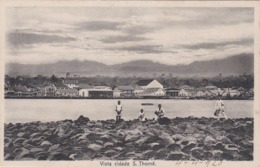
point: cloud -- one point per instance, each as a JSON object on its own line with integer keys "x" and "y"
{"x": 122, "y": 38}
{"x": 17, "y": 39}
{"x": 98, "y": 25}
{"x": 144, "y": 49}
{"x": 208, "y": 45}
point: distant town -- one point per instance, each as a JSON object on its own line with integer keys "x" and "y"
{"x": 166, "y": 87}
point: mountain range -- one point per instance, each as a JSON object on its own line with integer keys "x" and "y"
{"x": 233, "y": 65}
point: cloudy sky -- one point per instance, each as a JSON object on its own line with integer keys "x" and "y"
{"x": 114, "y": 35}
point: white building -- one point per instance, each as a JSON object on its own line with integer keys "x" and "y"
{"x": 154, "y": 92}
{"x": 71, "y": 83}
{"x": 84, "y": 92}
{"x": 149, "y": 83}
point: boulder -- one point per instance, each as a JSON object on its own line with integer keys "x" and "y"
{"x": 110, "y": 153}
{"x": 108, "y": 144}
{"x": 94, "y": 147}
{"x": 161, "y": 154}
{"x": 174, "y": 147}
{"x": 82, "y": 120}
{"x": 46, "y": 142}
{"x": 209, "y": 141}
{"x": 164, "y": 121}
{"x": 36, "y": 149}
{"x": 155, "y": 146}
{"x": 148, "y": 154}
{"x": 20, "y": 134}
{"x": 54, "y": 147}
{"x": 187, "y": 149}
{"x": 175, "y": 156}
{"x": 198, "y": 153}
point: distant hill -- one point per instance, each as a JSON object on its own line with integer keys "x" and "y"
{"x": 237, "y": 64}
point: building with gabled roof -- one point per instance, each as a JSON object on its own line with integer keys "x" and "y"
{"x": 71, "y": 83}
{"x": 153, "y": 92}
{"x": 67, "y": 92}
{"x": 123, "y": 91}
{"x": 149, "y": 83}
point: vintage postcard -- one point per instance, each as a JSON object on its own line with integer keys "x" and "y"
{"x": 129, "y": 83}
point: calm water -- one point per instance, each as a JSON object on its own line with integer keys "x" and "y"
{"x": 24, "y": 110}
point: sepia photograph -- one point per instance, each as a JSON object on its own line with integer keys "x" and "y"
{"x": 127, "y": 83}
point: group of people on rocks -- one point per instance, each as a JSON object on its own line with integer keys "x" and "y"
{"x": 219, "y": 110}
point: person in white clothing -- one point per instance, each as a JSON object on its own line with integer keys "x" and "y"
{"x": 219, "y": 109}
{"x": 160, "y": 113}
{"x": 141, "y": 115}
{"x": 119, "y": 109}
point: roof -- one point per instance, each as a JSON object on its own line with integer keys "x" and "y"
{"x": 125, "y": 87}
{"x": 172, "y": 89}
{"x": 85, "y": 86}
{"x": 137, "y": 87}
{"x": 144, "y": 82}
{"x": 59, "y": 85}
{"x": 150, "y": 90}
{"x": 186, "y": 87}
{"x": 102, "y": 87}
{"x": 211, "y": 87}
{"x": 67, "y": 90}
{"x": 20, "y": 89}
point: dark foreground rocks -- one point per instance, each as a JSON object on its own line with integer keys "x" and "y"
{"x": 83, "y": 139}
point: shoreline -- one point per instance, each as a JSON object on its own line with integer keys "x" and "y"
{"x": 103, "y": 98}
{"x": 188, "y": 138}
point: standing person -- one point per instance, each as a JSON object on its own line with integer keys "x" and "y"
{"x": 141, "y": 115}
{"x": 219, "y": 109}
{"x": 119, "y": 109}
{"x": 160, "y": 113}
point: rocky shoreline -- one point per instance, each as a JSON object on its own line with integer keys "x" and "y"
{"x": 183, "y": 139}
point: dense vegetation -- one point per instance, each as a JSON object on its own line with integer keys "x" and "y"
{"x": 245, "y": 81}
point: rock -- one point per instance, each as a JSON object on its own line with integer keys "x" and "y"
{"x": 72, "y": 156}
{"x": 155, "y": 146}
{"x": 34, "y": 150}
{"x": 209, "y": 140}
{"x": 119, "y": 148}
{"x": 105, "y": 137}
{"x": 132, "y": 137}
{"x": 35, "y": 134}
{"x": 161, "y": 154}
{"x": 187, "y": 149}
{"x": 108, "y": 144}
{"x": 99, "y": 142}
{"x": 110, "y": 153}
{"x": 227, "y": 156}
{"x": 148, "y": 154}
{"x": 18, "y": 140}
{"x": 20, "y": 134}
{"x": 198, "y": 153}
{"x": 223, "y": 140}
{"x": 54, "y": 147}
{"x": 95, "y": 147}
{"x": 231, "y": 147}
{"x": 46, "y": 142}
{"x": 175, "y": 156}
{"x": 184, "y": 142}
{"x": 41, "y": 155}
{"x": 99, "y": 124}
{"x": 174, "y": 147}
{"x": 82, "y": 120}
{"x": 23, "y": 151}
{"x": 164, "y": 121}
{"x": 219, "y": 146}
{"x": 59, "y": 156}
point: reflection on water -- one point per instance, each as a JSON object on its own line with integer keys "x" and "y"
{"x": 24, "y": 110}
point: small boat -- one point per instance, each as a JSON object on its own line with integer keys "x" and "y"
{"x": 146, "y": 104}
